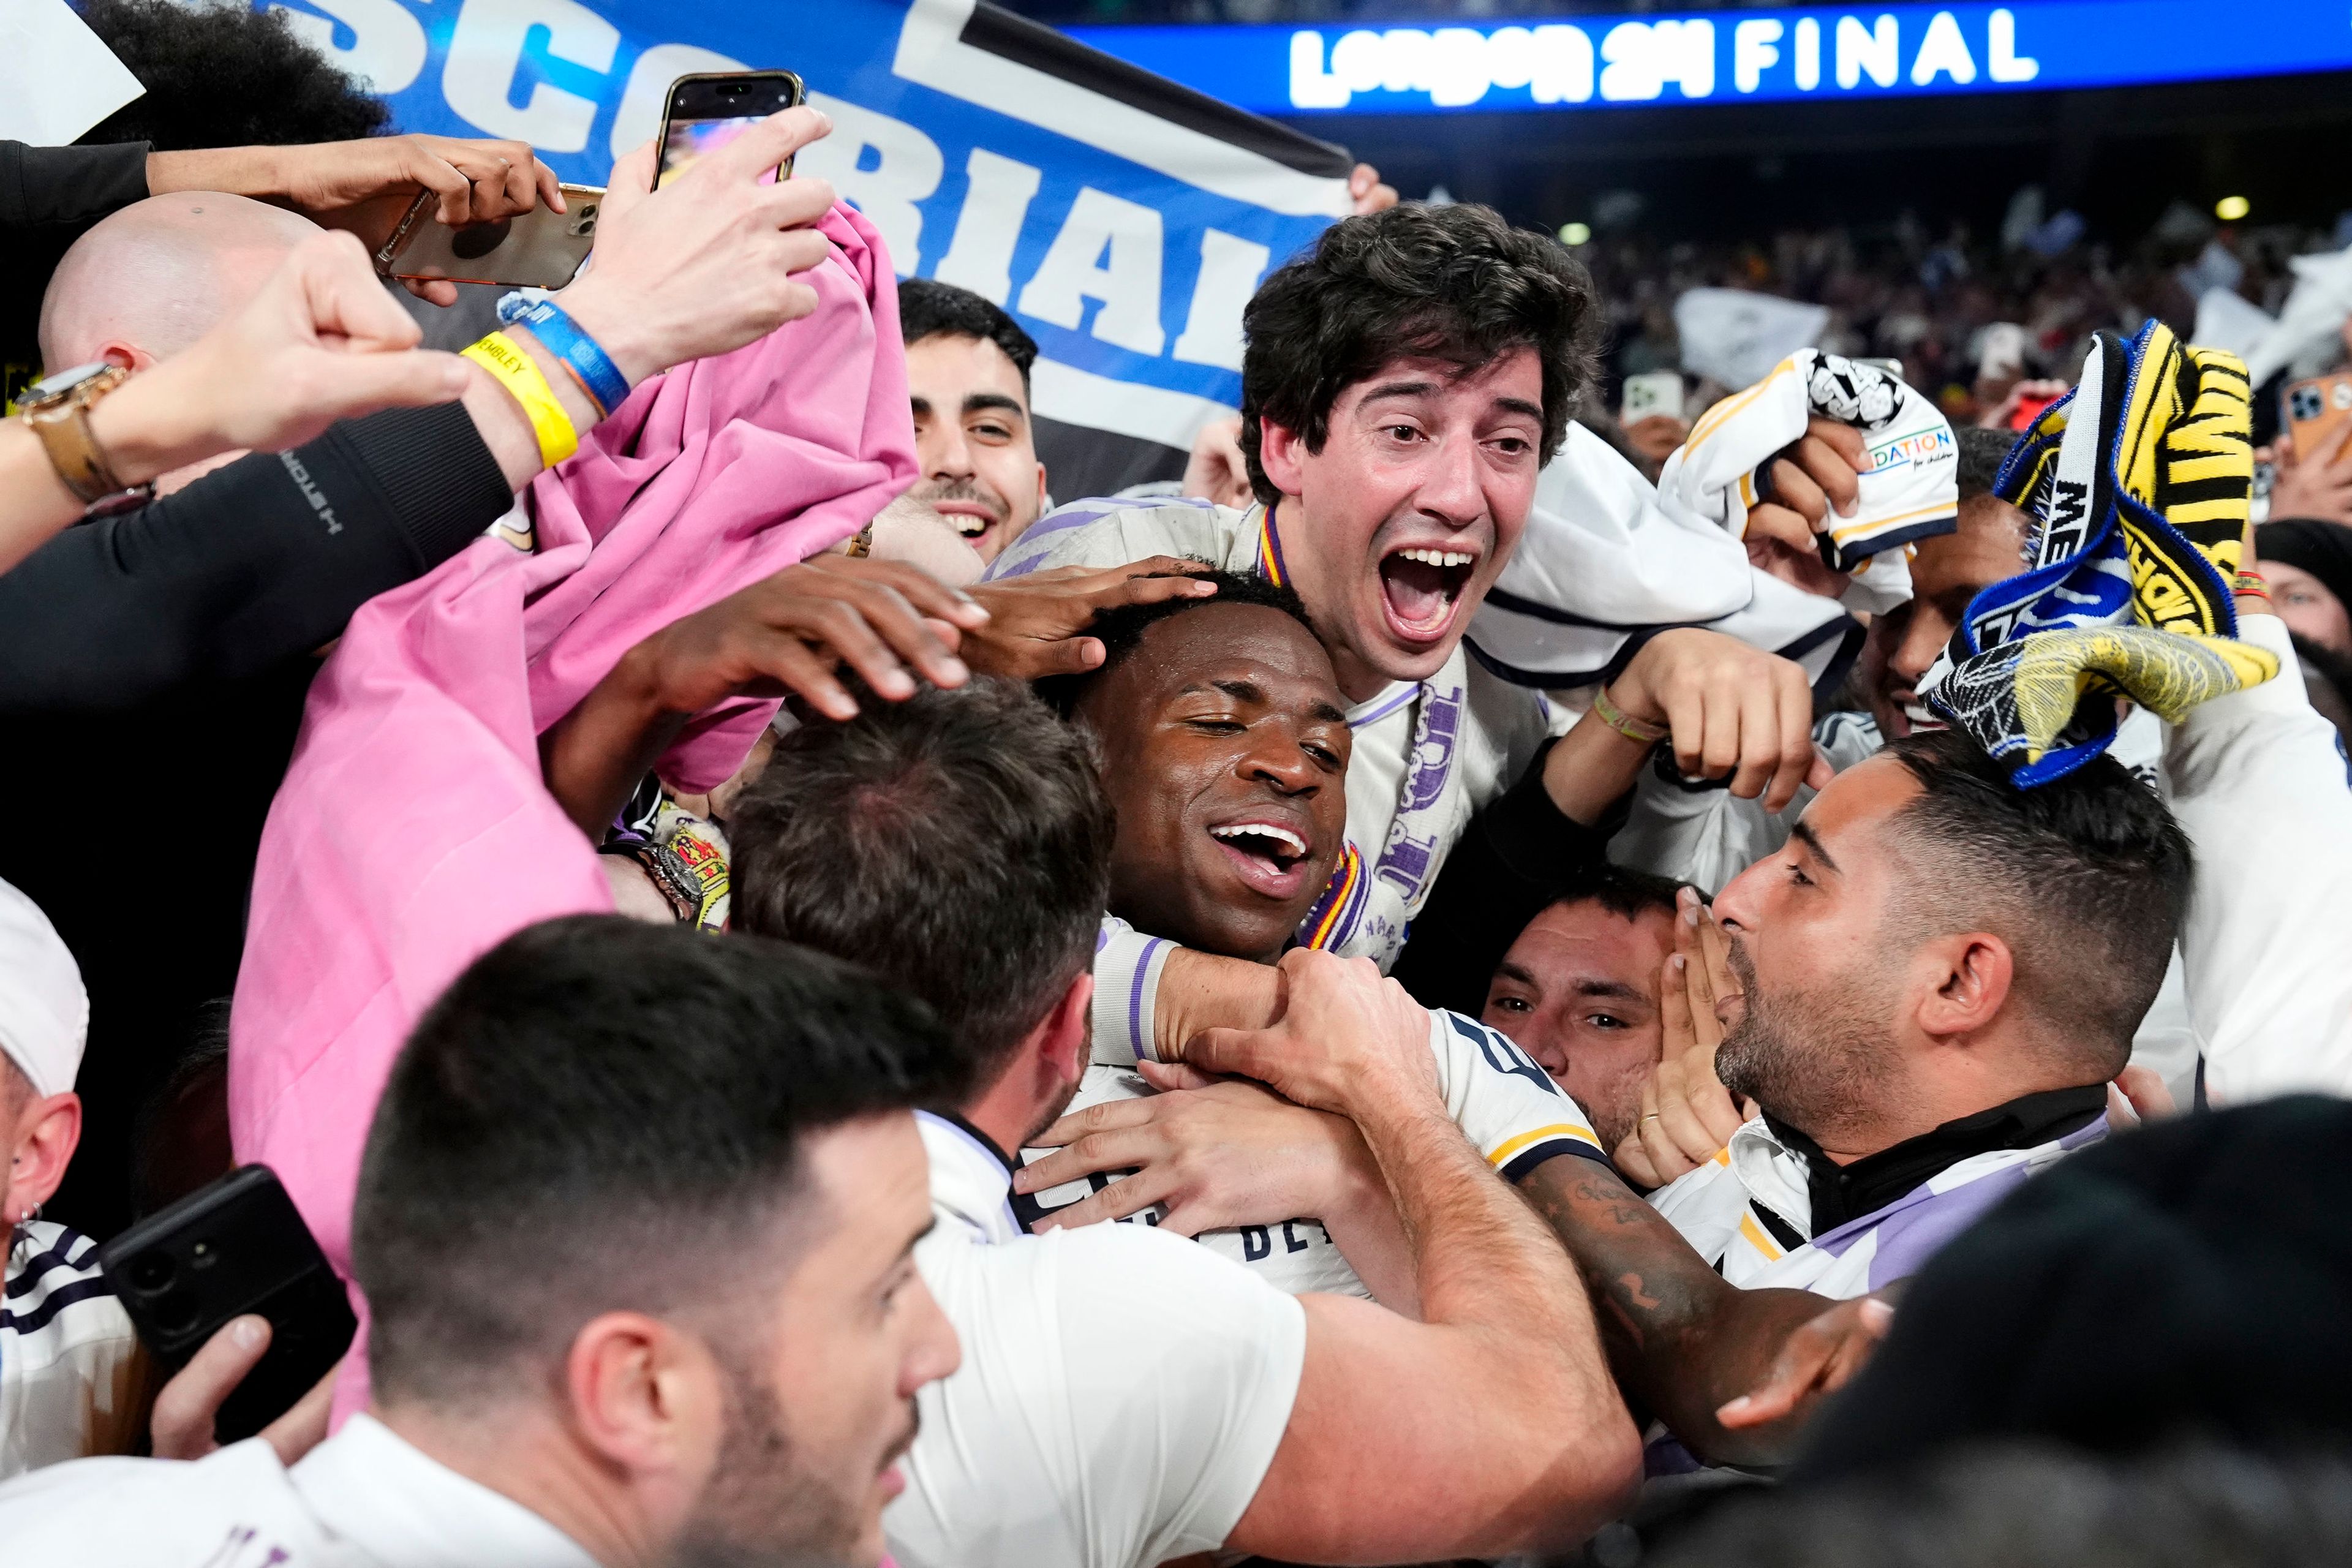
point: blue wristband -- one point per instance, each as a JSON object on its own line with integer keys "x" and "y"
{"x": 599, "y": 376}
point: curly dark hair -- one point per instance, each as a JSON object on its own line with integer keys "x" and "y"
{"x": 225, "y": 75}
{"x": 1121, "y": 628}
{"x": 1453, "y": 283}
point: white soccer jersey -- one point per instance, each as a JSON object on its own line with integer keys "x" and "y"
{"x": 1121, "y": 1395}
{"x": 69, "y": 1361}
{"x": 1507, "y": 1107}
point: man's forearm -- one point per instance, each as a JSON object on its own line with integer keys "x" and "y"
{"x": 1207, "y": 991}
{"x": 1480, "y": 1258}
{"x": 1679, "y": 1338}
{"x": 594, "y": 756}
{"x": 1589, "y": 769}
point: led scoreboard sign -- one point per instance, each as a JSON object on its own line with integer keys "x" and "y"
{"x": 1736, "y": 56}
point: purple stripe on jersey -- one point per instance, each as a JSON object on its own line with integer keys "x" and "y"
{"x": 1909, "y": 1239}
{"x": 1102, "y": 939}
{"x": 1135, "y": 1000}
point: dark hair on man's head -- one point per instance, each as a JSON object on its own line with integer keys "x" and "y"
{"x": 1121, "y": 628}
{"x": 2085, "y": 876}
{"x": 1621, "y": 890}
{"x": 929, "y": 309}
{"x": 225, "y": 75}
{"x": 602, "y": 1115}
{"x": 1455, "y": 284}
{"x": 1982, "y": 452}
{"x": 958, "y": 844}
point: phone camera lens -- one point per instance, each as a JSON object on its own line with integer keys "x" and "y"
{"x": 477, "y": 240}
{"x": 151, "y": 1272}
{"x": 204, "y": 1255}
{"x": 175, "y": 1312}
{"x": 733, "y": 90}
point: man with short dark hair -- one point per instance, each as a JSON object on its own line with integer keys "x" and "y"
{"x": 1129, "y": 1396}
{"x": 636, "y": 1225}
{"x": 1578, "y": 991}
{"x": 968, "y": 375}
{"x": 1938, "y": 975}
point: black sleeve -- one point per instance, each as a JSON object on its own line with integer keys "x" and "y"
{"x": 264, "y": 557}
{"x": 48, "y": 196}
{"x": 1519, "y": 854}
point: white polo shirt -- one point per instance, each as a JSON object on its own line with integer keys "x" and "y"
{"x": 70, "y": 1366}
{"x": 1121, "y": 1395}
{"x": 363, "y": 1499}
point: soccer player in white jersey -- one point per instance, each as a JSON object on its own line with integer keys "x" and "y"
{"x": 636, "y": 1225}
{"x": 1127, "y": 1395}
{"x": 1402, "y": 385}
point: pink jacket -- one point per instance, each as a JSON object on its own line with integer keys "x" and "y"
{"x": 413, "y": 833}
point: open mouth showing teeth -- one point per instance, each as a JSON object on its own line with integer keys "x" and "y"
{"x": 1422, "y": 586}
{"x": 1277, "y": 847}
{"x": 1922, "y": 717}
{"x": 971, "y": 527}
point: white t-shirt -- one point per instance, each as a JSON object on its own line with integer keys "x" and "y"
{"x": 70, "y": 1366}
{"x": 1508, "y": 1108}
{"x": 1121, "y": 1395}
{"x": 363, "y": 1499}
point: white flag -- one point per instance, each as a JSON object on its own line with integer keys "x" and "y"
{"x": 1738, "y": 337}
{"x": 57, "y": 78}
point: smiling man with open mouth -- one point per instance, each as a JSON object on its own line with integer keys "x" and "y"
{"x": 1403, "y": 384}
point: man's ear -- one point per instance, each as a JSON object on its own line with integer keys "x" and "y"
{"x": 1282, "y": 455}
{"x": 126, "y": 353}
{"x": 644, "y": 1395}
{"x": 1069, "y": 1029}
{"x": 1044, "y": 494}
{"x": 40, "y": 1146}
{"x": 1971, "y": 973}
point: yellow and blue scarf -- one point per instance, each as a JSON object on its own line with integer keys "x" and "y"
{"x": 2136, "y": 485}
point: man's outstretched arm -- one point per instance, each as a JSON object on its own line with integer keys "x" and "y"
{"x": 1492, "y": 1426}
{"x": 1685, "y": 1343}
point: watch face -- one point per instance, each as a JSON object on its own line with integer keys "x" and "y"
{"x": 64, "y": 381}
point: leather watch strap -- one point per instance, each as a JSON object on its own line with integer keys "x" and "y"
{"x": 63, "y": 425}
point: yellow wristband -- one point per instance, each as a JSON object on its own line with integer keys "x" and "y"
{"x": 1639, "y": 730}
{"x": 520, "y": 374}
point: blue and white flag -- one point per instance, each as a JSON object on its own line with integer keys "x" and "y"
{"x": 1124, "y": 220}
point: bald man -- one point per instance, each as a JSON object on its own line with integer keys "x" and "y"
{"x": 148, "y": 281}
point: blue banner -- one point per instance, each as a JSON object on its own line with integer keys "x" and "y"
{"x": 1123, "y": 220}
{"x": 1736, "y": 56}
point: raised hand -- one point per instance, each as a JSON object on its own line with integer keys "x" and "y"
{"x": 1729, "y": 709}
{"x": 1036, "y": 624}
{"x": 1817, "y": 1359}
{"x": 710, "y": 261}
{"x": 1687, "y": 1116}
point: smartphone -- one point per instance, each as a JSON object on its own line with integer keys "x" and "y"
{"x": 540, "y": 249}
{"x": 236, "y": 1247}
{"x": 2316, "y": 411}
{"x": 1650, "y": 394}
{"x": 706, "y": 113}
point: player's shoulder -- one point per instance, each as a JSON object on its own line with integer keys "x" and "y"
{"x": 1110, "y": 530}
{"x": 158, "y": 1513}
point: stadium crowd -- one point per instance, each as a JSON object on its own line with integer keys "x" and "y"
{"x": 1455, "y": 990}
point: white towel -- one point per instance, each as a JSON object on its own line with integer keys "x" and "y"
{"x": 1911, "y": 492}
{"x": 1602, "y": 564}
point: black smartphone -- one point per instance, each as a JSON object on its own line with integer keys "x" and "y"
{"x": 705, "y": 112}
{"x": 236, "y": 1247}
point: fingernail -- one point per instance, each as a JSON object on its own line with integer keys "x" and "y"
{"x": 1678, "y": 963}
{"x": 248, "y": 1331}
{"x": 823, "y": 119}
{"x": 1880, "y": 1313}
{"x": 899, "y": 683}
{"x": 1734, "y": 1406}
{"x": 953, "y": 668}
